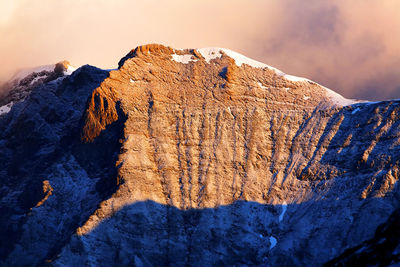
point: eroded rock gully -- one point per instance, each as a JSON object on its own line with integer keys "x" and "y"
{"x": 213, "y": 160}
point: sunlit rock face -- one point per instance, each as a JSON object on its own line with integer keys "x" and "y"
{"x": 198, "y": 157}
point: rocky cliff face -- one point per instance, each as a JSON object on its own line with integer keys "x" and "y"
{"x": 198, "y": 157}
{"x": 381, "y": 250}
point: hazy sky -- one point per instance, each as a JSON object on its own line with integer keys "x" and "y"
{"x": 350, "y": 46}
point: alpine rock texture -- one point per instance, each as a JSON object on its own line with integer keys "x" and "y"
{"x": 198, "y": 157}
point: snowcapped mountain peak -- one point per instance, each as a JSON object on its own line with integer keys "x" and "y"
{"x": 216, "y": 55}
{"x": 64, "y": 66}
{"x": 23, "y": 81}
{"x": 19, "y": 75}
{"x": 211, "y": 53}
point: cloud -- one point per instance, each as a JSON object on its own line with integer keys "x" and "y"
{"x": 349, "y": 46}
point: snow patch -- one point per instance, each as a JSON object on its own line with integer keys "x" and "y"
{"x": 295, "y": 78}
{"x": 185, "y": 59}
{"x": 372, "y": 102}
{"x": 337, "y": 98}
{"x": 70, "y": 70}
{"x": 240, "y": 59}
{"x": 354, "y": 111}
{"x": 131, "y": 81}
{"x": 284, "y": 207}
{"x": 261, "y": 85}
{"x": 210, "y": 53}
{"x": 6, "y": 108}
{"x": 273, "y": 242}
{"x": 306, "y": 97}
{"x": 37, "y": 79}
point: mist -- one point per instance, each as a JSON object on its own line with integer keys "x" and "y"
{"x": 352, "y": 47}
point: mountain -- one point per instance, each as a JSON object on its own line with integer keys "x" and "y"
{"x": 195, "y": 157}
{"x": 22, "y": 82}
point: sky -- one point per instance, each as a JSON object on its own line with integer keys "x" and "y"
{"x": 352, "y": 47}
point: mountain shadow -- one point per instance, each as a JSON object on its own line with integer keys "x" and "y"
{"x": 243, "y": 233}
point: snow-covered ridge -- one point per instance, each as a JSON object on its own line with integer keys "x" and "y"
{"x": 69, "y": 69}
{"x": 211, "y": 53}
{"x": 25, "y": 72}
{"x": 339, "y": 99}
{"x": 22, "y": 83}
